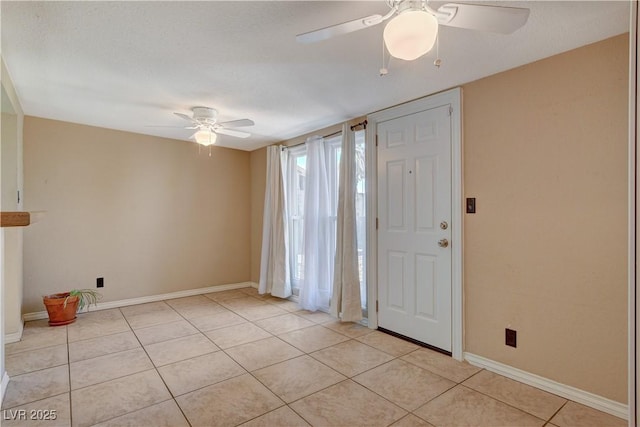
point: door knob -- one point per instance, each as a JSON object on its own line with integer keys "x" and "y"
{"x": 443, "y": 243}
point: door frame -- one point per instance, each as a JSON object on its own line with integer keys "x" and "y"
{"x": 453, "y": 98}
{"x": 633, "y": 221}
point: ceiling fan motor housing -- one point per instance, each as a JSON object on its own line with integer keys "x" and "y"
{"x": 205, "y": 115}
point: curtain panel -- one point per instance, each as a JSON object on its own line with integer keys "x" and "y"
{"x": 316, "y": 287}
{"x": 274, "y": 265}
{"x": 345, "y": 300}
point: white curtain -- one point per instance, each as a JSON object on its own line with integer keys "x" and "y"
{"x": 345, "y": 301}
{"x": 274, "y": 268}
{"x": 316, "y": 284}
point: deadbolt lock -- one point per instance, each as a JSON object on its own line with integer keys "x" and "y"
{"x": 444, "y": 225}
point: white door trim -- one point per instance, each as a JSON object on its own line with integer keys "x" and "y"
{"x": 453, "y": 98}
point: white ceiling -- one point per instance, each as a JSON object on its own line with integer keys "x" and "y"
{"x": 127, "y": 65}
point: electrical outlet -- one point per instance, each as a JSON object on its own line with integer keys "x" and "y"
{"x": 510, "y": 337}
{"x": 100, "y": 282}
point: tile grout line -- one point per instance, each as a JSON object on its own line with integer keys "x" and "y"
{"x": 39, "y": 370}
{"x": 264, "y": 385}
{"x": 347, "y": 378}
{"x": 157, "y": 372}
{"x": 505, "y": 403}
{"x": 300, "y": 415}
{"x": 32, "y": 349}
{"x": 251, "y": 373}
{"x": 559, "y": 409}
{"x": 40, "y": 400}
{"x": 146, "y": 370}
{"x": 509, "y": 404}
{"x": 245, "y": 369}
{"x": 352, "y": 376}
{"x": 235, "y": 361}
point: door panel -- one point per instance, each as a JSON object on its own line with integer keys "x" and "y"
{"x": 397, "y": 206}
{"x": 414, "y": 198}
{"x": 397, "y": 267}
{"x": 426, "y": 181}
{"x": 426, "y": 289}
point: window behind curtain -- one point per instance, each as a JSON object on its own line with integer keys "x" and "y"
{"x": 296, "y": 173}
{"x": 361, "y": 215}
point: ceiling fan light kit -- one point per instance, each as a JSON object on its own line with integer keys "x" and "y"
{"x": 413, "y": 28}
{"x": 411, "y": 34}
{"x": 205, "y": 137}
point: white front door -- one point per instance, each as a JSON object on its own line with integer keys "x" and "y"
{"x": 414, "y": 229}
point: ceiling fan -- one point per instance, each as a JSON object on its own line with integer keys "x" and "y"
{"x": 413, "y": 30}
{"x": 204, "y": 121}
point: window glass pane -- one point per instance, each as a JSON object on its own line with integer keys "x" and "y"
{"x": 296, "y": 174}
{"x": 361, "y": 214}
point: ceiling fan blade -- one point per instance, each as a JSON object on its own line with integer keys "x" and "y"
{"x": 172, "y": 127}
{"x": 163, "y": 126}
{"x": 336, "y": 30}
{"x": 230, "y": 132}
{"x": 184, "y": 116}
{"x": 237, "y": 123}
{"x": 494, "y": 19}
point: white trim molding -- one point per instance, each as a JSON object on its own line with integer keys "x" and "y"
{"x": 151, "y": 298}
{"x": 568, "y": 392}
{"x": 453, "y": 98}
{"x": 15, "y": 336}
{"x": 633, "y": 295}
{"x": 3, "y": 386}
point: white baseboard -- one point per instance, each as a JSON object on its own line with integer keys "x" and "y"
{"x": 151, "y": 298}
{"x": 568, "y": 392}
{"x": 15, "y": 336}
{"x": 3, "y": 386}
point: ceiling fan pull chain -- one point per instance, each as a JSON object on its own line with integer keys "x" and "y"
{"x": 438, "y": 61}
{"x": 384, "y": 70}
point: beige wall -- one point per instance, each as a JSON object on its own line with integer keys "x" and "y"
{"x": 545, "y": 154}
{"x": 150, "y": 215}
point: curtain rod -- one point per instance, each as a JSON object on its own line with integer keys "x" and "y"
{"x": 363, "y": 124}
{"x": 325, "y": 136}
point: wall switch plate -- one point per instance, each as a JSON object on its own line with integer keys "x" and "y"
{"x": 510, "y": 337}
{"x": 471, "y": 205}
{"x": 100, "y": 282}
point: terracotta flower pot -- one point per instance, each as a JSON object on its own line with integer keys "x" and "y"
{"x": 59, "y": 312}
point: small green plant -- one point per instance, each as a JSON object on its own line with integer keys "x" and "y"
{"x": 86, "y": 298}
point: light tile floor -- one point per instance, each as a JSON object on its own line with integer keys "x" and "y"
{"x": 238, "y": 358}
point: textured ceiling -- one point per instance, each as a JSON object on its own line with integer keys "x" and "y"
{"x": 128, "y": 65}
